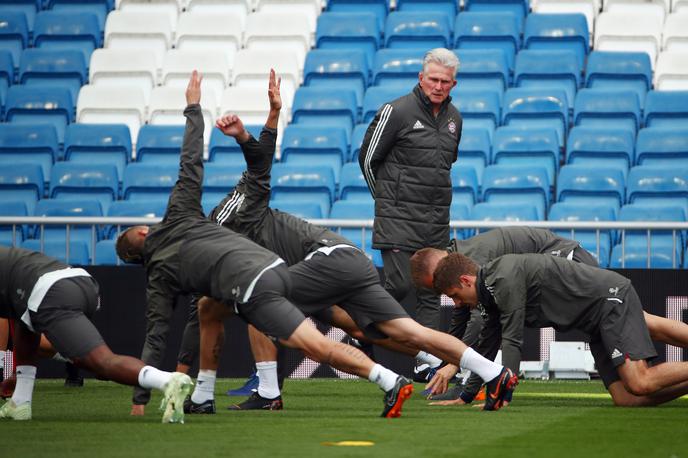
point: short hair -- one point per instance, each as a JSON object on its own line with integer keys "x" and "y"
{"x": 443, "y": 57}
{"x": 450, "y": 269}
{"x": 422, "y": 264}
{"x": 126, "y": 250}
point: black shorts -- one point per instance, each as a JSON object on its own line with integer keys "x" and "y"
{"x": 268, "y": 308}
{"x": 623, "y": 334}
{"x": 64, "y": 316}
{"x": 347, "y": 278}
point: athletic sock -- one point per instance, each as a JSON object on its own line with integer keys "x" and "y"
{"x": 23, "y": 391}
{"x": 475, "y": 362}
{"x": 431, "y": 360}
{"x": 151, "y": 377}
{"x": 268, "y": 386}
{"x": 384, "y": 378}
{"x": 205, "y": 387}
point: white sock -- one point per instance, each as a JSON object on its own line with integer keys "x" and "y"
{"x": 268, "y": 386}
{"x": 384, "y": 378}
{"x": 205, "y": 386}
{"x": 23, "y": 391}
{"x": 150, "y": 377}
{"x": 475, "y": 362}
{"x": 431, "y": 360}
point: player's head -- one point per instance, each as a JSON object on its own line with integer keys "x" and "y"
{"x": 455, "y": 276}
{"x": 439, "y": 74}
{"x": 423, "y": 264}
{"x": 130, "y": 244}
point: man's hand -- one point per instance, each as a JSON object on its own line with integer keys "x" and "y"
{"x": 440, "y": 381}
{"x": 274, "y": 91}
{"x": 193, "y": 90}
{"x": 453, "y": 402}
{"x": 232, "y": 126}
{"x": 137, "y": 410}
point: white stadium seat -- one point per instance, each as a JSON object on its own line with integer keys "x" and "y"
{"x": 138, "y": 31}
{"x": 108, "y": 105}
{"x": 251, "y": 104}
{"x": 589, "y": 8}
{"x": 628, "y": 32}
{"x": 672, "y": 71}
{"x": 655, "y": 8}
{"x": 167, "y": 8}
{"x": 213, "y": 33}
{"x": 310, "y": 8}
{"x": 124, "y": 67}
{"x": 675, "y": 37}
{"x": 679, "y": 5}
{"x": 241, "y": 8}
{"x": 178, "y": 65}
{"x": 278, "y": 32}
{"x": 252, "y": 68}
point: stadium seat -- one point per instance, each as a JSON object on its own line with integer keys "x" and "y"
{"x": 666, "y": 109}
{"x": 40, "y": 105}
{"x": 218, "y": 181}
{"x": 485, "y": 30}
{"x": 542, "y": 69}
{"x": 112, "y": 105}
{"x": 591, "y": 186}
{"x": 61, "y": 30}
{"x": 303, "y": 210}
{"x": 376, "y": 97}
{"x": 620, "y": 70}
{"x": 165, "y": 8}
{"x": 352, "y": 184}
{"x": 418, "y": 30}
{"x": 133, "y": 208}
{"x": 137, "y": 31}
{"x": 480, "y": 109}
{"x": 523, "y": 147}
{"x": 599, "y": 146}
{"x": 159, "y": 144}
{"x": 238, "y": 8}
{"x": 98, "y": 7}
{"x": 558, "y": 32}
{"x": 517, "y": 7}
{"x": 224, "y": 149}
{"x": 98, "y": 144}
{"x": 672, "y": 71}
{"x": 357, "y": 141}
{"x": 250, "y": 104}
{"x": 11, "y": 234}
{"x": 27, "y": 8}
{"x": 517, "y": 186}
{"x": 474, "y": 150}
{"x": 337, "y": 69}
{"x": 149, "y": 181}
{"x": 278, "y": 33}
{"x": 315, "y": 145}
{"x": 447, "y": 7}
{"x": 628, "y": 32}
{"x": 656, "y": 9}
{"x": 252, "y": 69}
{"x": 617, "y": 109}
{"x": 588, "y": 8}
{"x": 483, "y": 69}
{"x": 53, "y": 68}
{"x": 491, "y": 211}
{"x": 69, "y": 181}
{"x": 14, "y": 33}
{"x": 464, "y": 185}
{"x": 662, "y": 146}
{"x": 379, "y": 8}
{"x": 307, "y": 8}
{"x": 675, "y": 34}
{"x": 658, "y": 186}
{"x": 212, "y": 33}
{"x": 124, "y": 68}
{"x": 167, "y": 106}
{"x": 29, "y": 143}
{"x": 534, "y": 108}
{"x": 309, "y": 183}
{"x": 636, "y": 257}
{"x": 397, "y": 67}
{"x": 321, "y": 107}
{"x": 6, "y": 75}
{"x": 78, "y": 250}
{"x": 357, "y": 210}
{"x": 105, "y": 254}
{"x": 349, "y": 31}
{"x": 22, "y": 182}
{"x": 459, "y": 212}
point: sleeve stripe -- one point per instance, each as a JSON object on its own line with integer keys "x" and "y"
{"x": 232, "y": 204}
{"x": 384, "y": 117}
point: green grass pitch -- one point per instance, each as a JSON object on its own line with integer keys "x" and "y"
{"x": 548, "y": 419}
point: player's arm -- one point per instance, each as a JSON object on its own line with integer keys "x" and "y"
{"x": 511, "y": 301}
{"x": 378, "y": 140}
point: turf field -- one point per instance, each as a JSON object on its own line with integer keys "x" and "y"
{"x": 553, "y": 419}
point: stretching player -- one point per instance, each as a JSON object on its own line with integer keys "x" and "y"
{"x": 43, "y": 295}
{"x": 325, "y": 269}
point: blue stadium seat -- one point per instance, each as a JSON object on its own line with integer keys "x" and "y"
{"x": 85, "y": 181}
{"x": 313, "y": 145}
{"x": 617, "y": 109}
{"x": 558, "y": 32}
{"x": 98, "y": 144}
{"x": 631, "y": 71}
{"x": 36, "y": 144}
{"x": 105, "y": 254}
{"x": 544, "y": 68}
{"x": 53, "y": 68}
{"x": 533, "y": 108}
{"x": 504, "y": 211}
{"x": 591, "y": 186}
{"x": 14, "y": 33}
{"x": 78, "y": 250}
{"x": 133, "y": 208}
{"x": 319, "y": 106}
{"x": 303, "y": 210}
{"x": 352, "y": 185}
{"x": 379, "y": 8}
{"x": 523, "y": 147}
{"x": 159, "y": 144}
{"x": 68, "y": 30}
{"x": 11, "y": 235}
{"x": 483, "y": 30}
{"x": 22, "y": 182}
{"x": 397, "y": 67}
{"x": 346, "y": 31}
{"x": 480, "y": 109}
{"x": 464, "y": 185}
{"x": 658, "y": 186}
{"x": 666, "y": 109}
{"x": 418, "y": 30}
{"x": 376, "y": 96}
{"x": 304, "y": 183}
{"x": 6, "y": 75}
{"x": 218, "y": 181}
{"x": 483, "y": 69}
{"x": 149, "y": 181}
{"x": 588, "y": 238}
{"x": 459, "y": 212}
{"x": 599, "y": 146}
{"x": 357, "y": 141}
{"x": 337, "y": 69}
{"x": 662, "y": 146}
{"x": 224, "y": 149}
{"x": 518, "y": 7}
{"x": 517, "y": 186}
{"x": 40, "y": 105}
{"x": 474, "y": 150}
{"x": 357, "y": 210}
{"x": 448, "y": 7}
{"x": 635, "y": 257}
{"x": 98, "y": 7}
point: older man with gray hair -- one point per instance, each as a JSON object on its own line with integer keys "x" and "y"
{"x": 406, "y": 158}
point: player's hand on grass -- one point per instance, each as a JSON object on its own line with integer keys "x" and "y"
{"x": 274, "y": 91}
{"x": 232, "y": 126}
{"x": 137, "y": 410}
{"x": 453, "y": 402}
{"x": 440, "y": 381}
{"x": 193, "y": 90}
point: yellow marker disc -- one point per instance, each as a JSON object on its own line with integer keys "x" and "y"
{"x": 350, "y": 444}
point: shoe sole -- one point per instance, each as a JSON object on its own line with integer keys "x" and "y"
{"x": 501, "y": 393}
{"x": 174, "y": 406}
{"x": 404, "y": 393}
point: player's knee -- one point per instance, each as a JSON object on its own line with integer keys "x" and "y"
{"x": 209, "y": 309}
{"x": 638, "y": 386}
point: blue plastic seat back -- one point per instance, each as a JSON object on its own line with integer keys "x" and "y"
{"x": 78, "y": 250}
{"x": 607, "y": 108}
{"x": 606, "y": 147}
{"x": 356, "y": 141}
{"x": 105, "y": 254}
{"x": 474, "y": 151}
{"x": 666, "y": 109}
{"x": 323, "y": 107}
{"x": 314, "y": 141}
{"x": 34, "y": 143}
{"x": 656, "y": 238}
{"x": 98, "y": 7}
{"x": 378, "y": 8}
{"x": 658, "y": 186}
{"x": 99, "y": 144}
{"x": 558, "y": 69}
{"x": 517, "y": 7}
{"x": 363, "y": 238}
{"x": 6, "y": 75}
{"x": 221, "y": 177}
{"x": 159, "y": 144}
{"x": 620, "y": 70}
{"x": 345, "y": 31}
{"x": 352, "y": 184}
{"x": 397, "y": 67}
{"x": 22, "y": 182}
{"x": 591, "y": 185}
{"x": 492, "y": 211}
{"x": 147, "y": 181}
{"x": 68, "y": 208}
{"x": 40, "y": 105}
{"x": 464, "y": 185}
{"x": 10, "y": 235}
{"x": 303, "y": 210}
{"x": 133, "y": 208}
{"x": 14, "y": 33}
{"x": 419, "y": 30}
{"x": 597, "y": 242}
{"x": 377, "y": 96}
{"x": 483, "y": 69}
{"x": 68, "y": 30}
{"x": 558, "y": 31}
{"x": 28, "y": 8}
{"x": 485, "y": 30}
{"x": 537, "y": 147}
{"x": 53, "y": 68}
{"x": 224, "y": 149}
{"x": 337, "y": 68}
{"x": 447, "y": 7}
{"x": 517, "y": 185}
{"x": 533, "y": 108}
{"x": 662, "y": 146}
{"x": 635, "y": 257}
{"x": 478, "y": 107}
{"x": 85, "y": 181}
{"x": 311, "y": 183}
